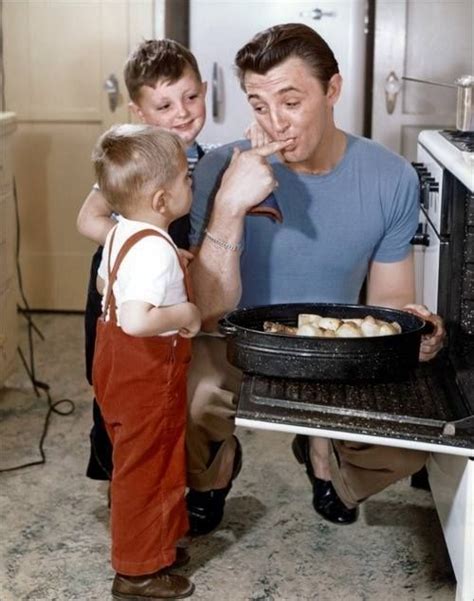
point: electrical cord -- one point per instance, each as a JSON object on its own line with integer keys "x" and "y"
{"x": 38, "y": 386}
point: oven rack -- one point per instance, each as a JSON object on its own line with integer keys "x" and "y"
{"x": 427, "y": 406}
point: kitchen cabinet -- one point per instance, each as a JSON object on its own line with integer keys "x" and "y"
{"x": 8, "y": 288}
{"x": 57, "y": 56}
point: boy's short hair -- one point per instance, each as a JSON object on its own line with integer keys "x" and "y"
{"x": 273, "y": 46}
{"x": 134, "y": 161}
{"x": 155, "y": 60}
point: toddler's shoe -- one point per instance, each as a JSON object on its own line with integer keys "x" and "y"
{"x": 152, "y": 587}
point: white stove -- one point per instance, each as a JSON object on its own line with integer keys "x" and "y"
{"x": 438, "y": 409}
{"x": 437, "y": 414}
{"x": 453, "y": 151}
{"x": 445, "y": 165}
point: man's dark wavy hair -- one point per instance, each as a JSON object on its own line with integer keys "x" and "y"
{"x": 271, "y": 47}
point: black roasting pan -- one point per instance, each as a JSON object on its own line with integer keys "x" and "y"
{"x": 257, "y": 352}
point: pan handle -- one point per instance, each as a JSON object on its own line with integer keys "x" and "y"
{"x": 431, "y": 83}
{"x": 226, "y": 328}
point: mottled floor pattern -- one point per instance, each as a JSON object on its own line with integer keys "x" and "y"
{"x": 271, "y": 546}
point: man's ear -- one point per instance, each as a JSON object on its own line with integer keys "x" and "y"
{"x": 158, "y": 201}
{"x": 204, "y": 88}
{"x": 136, "y": 110}
{"x": 334, "y": 88}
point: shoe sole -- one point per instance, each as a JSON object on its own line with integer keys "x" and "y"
{"x": 119, "y": 597}
{"x": 336, "y": 522}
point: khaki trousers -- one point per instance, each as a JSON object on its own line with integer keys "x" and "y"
{"x": 357, "y": 470}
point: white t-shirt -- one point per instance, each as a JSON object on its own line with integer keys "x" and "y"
{"x": 149, "y": 272}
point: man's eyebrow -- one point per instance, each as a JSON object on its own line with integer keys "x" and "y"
{"x": 280, "y": 92}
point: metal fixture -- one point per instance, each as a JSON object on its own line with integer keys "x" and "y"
{"x": 111, "y": 86}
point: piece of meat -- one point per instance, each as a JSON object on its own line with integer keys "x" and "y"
{"x": 274, "y": 327}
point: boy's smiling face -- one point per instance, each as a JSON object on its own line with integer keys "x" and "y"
{"x": 178, "y": 107}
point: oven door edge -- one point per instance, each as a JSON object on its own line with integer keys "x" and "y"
{"x": 315, "y": 430}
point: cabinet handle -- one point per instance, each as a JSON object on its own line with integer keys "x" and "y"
{"x": 317, "y": 14}
{"x": 392, "y": 88}
{"x": 111, "y": 86}
{"x": 216, "y": 89}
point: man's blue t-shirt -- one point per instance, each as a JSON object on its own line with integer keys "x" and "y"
{"x": 365, "y": 209}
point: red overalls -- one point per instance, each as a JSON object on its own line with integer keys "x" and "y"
{"x": 140, "y": 385}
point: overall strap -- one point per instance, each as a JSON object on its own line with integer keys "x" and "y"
{"x": 127, "y": 245}
{"x": 110, "y": 295}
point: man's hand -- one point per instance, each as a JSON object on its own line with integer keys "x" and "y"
{"x": 432, "y": 343}
{"x": 248, "y": 179}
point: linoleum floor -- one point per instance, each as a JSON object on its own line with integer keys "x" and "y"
{"x": 271, "y": 546}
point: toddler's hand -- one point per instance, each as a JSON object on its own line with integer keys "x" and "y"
{"x": 192, "y": 321}
{"x": 186, "y": 256}
{"x": 257, "y": 136}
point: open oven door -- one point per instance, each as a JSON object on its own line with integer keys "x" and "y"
{"x": 427, "y": 411}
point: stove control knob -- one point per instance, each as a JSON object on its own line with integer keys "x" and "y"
{"x": 426, "y": 184}
{"x": 419, "y": 167}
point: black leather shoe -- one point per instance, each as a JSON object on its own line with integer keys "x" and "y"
{"x": 206, "y": 509}
{"x": 325, "y": 499}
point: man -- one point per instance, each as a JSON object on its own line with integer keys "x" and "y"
{"x": 349, "y": 207}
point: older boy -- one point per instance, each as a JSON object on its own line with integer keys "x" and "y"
{"x": 142, "y": 354}
{"x": 166, "y": 90}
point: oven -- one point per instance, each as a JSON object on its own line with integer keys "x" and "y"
{"x": 437, "y": 412}
{"x": 433, "y": 408}
{"x": 445, "y": 267}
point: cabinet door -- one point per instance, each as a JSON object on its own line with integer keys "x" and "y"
{"x": 58, "y": 56}
{"x": 8, "y": 331}
{"x": 7, "y": 213}
{"x": 423, "y": 40}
